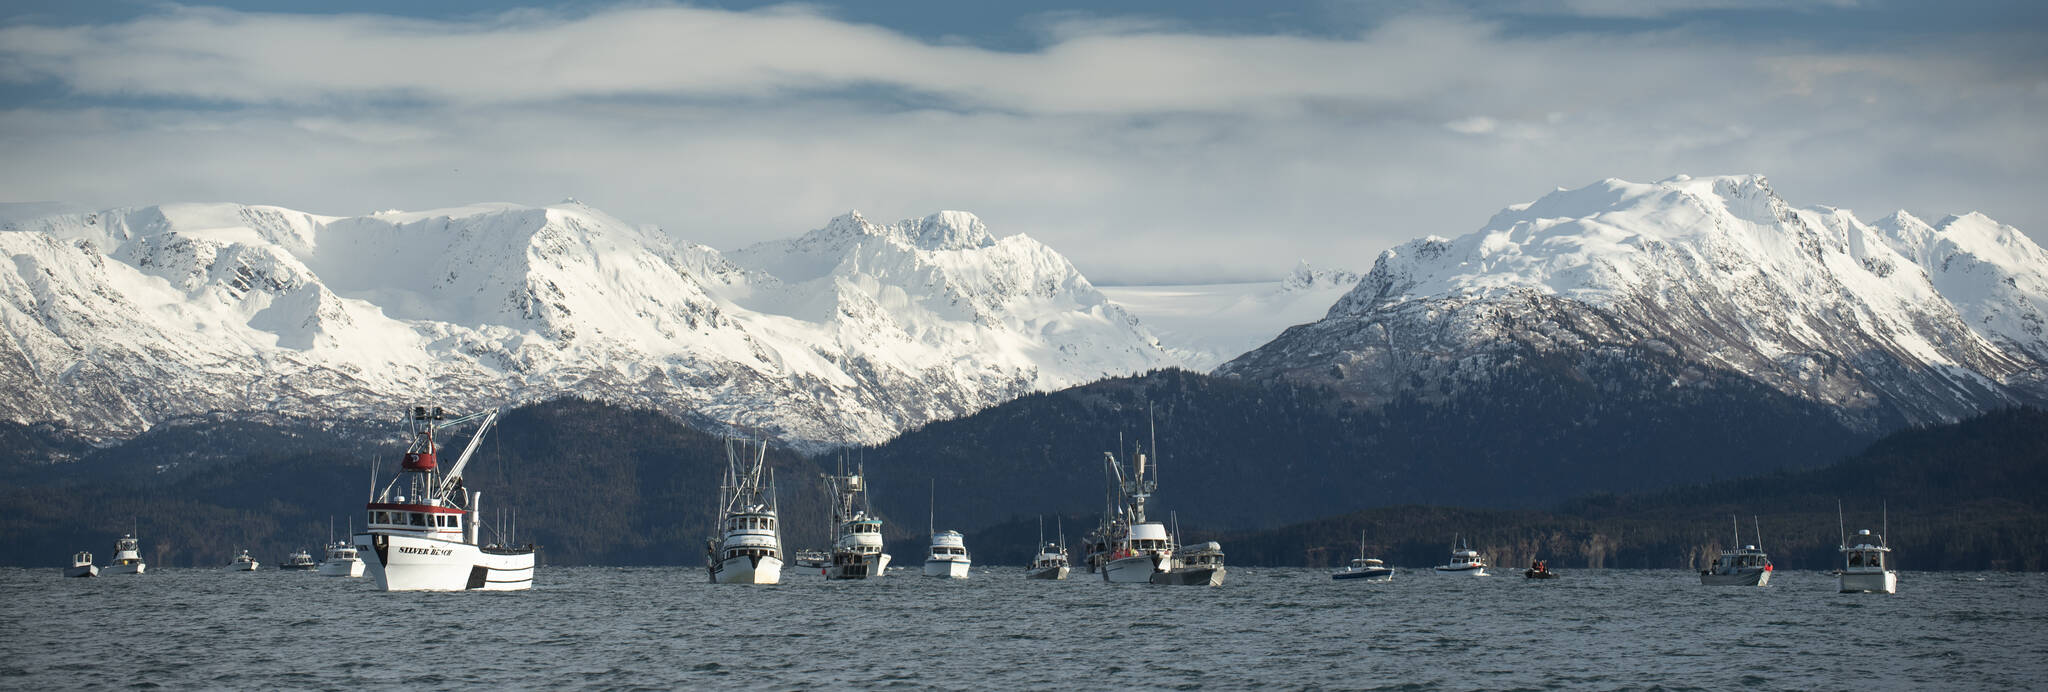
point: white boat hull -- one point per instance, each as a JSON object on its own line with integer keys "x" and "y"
{"x": 242, "y": 567}
{"x": 745, "y": 571}
{"x": 342, "y": 568}
{"x": 1759, "y": 578}
{"x": 1870, "y": 582}
{"x": 1468, "y": 571}
{"x": 82, "y": 571}
{"x": 1056, "y": 572}
{"x": 130, "y": 568}
{"x": 401, "y": 562}
{"x": 951, "y": 569}
{"x": 879, "y": 566}
{"x": 1136, "y": 569}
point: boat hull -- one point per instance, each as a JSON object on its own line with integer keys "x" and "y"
{"x": 299, "y": 568}
{"x": 747, "y": 571}
{"x": 1385, "y": 574}
{"x": 242, "y": 567}
{"x": 1192, "y": 576}
{"x": 130, "y": 568}
{"x": 871, "y": 567}
{"x": 1869, "y": 582}
{"x": 82, "y": 571}
{"x": 400, "y": 562}
{"x": 342, "y": 568}
{"x": 1533, "y": 574}
{"x": 1467, "y": 571}
{"x": 950, "y": 569}
{"x": 1054, "y": 573}
{"x": 1136, "y": 569}
{"x": 1758, "y": 578}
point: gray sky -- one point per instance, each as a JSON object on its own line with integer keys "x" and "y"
{"x": 1154, "y": 141}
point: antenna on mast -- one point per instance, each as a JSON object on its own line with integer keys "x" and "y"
{"x": 1757, "y": 527}
{"x": 1841, "y": 525}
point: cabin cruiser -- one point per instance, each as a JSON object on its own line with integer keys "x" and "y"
{"x": 948, "y": 556}
{"x": 242, "y": 563}
{"x": 750, "y": 551}
{"x": 857, "y": 554}
{"x": 81, "y": 566}
{"x": 342, "y": 559}
{"x": 1051, "y": 560}
{"x": 424, "y": 531}
{"x": 299, "y": 560}
{"x": 1866, "y": 562}
{"x": 1364, "y": 568}
{"x": 1746, "y": 566}
{"x": 1465, "y": 560}
{"x": 127, "y": 557}
{"x": 1198, "y": 565}
{"x": 1136, "y": 548}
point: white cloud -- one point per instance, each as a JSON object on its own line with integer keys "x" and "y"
{"x": 1143, "y": 151}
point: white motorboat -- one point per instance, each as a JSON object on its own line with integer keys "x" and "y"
{"x": 127, "y": 557}
{"x": 1866, "y": 563}
{"x": 1363, "y": 568}
{"x": 424, "y": 525}
{"x": 1051, "y": 560}
{"x": 948, "y": 554}
{"x": 948, "y": 557}
{"x": 242, "y": 563}
{"x": 300, "y": 560}
{"x": 1465, "y": 560}
{"x": 1196, "y": 565}
{"x": 857, "y": 554}
{"x": 750, "y": 551}
{"x": 1745, "y": 566}
{"x": 1136, "y": 548}
{"x": 342, "y": 559}
{"x": 81, "y": 566}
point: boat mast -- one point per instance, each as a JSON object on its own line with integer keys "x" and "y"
{"x": 1841, "y": 524}
{"x": 1757, "y": 528}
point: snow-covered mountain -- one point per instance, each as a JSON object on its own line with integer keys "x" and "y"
{"x": 1206, "y": 324}
{"x": 117, "y": 319}
{"x": 1896, "y": 321}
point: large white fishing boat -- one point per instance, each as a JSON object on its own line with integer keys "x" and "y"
{"x": 127, "y": 557}
{"x": 242, "y": 563}
{"x": 750, "y": 549}
{"x": 1866, "y": 563}
{"x": 81, "y": 566}
{"x": 1465, "y": 560}
{"x": 1363, "y": 568}
{"x": 1136, "y": 547}
{"x": 424, "y": 526}
{"x": 1051, "y": 560}
{"x": 342, "y": 559}
{"x": 1745, "y": 566}
{"x": 857, "y": 554}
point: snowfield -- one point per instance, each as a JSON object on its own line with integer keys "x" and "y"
{"x": 117, "y": 319}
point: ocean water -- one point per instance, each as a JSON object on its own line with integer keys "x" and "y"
{"x": 666, "y": 628}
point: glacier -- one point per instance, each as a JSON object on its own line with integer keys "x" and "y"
{"x": 117, "y": 320}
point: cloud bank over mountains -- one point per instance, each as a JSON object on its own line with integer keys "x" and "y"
{"x": 1147, "y": 149}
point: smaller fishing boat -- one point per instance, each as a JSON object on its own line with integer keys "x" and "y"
{"x": 1539, "y": 570}
{"x": 300, "y": 560}
{"x": 1465, "y": 560}
{"x": 81, "y": 566}
{"x": 1051, "y": 560}
{"x": 948, "y": 556}
{"x": 1363, "y": 568}
{"x": 127, "y": 557}
{"x": 1866, "y": 563}
{"x": 1198, "y": 565}
{"x": 242, "y": 563}
{"x": 342, "y": 559}
{"x": 1746, "y": 566}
